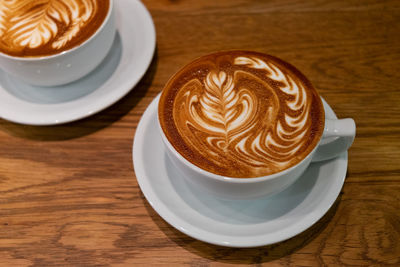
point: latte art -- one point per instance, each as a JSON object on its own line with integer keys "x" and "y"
{"x": 241, "y": 114}
{"x": 45, "y": 27}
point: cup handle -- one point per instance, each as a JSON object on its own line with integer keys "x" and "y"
{"x": 338, "y": 136}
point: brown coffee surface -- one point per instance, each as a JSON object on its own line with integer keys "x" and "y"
{"x": 241, "y": 114}
{"x": 34, "y": 28}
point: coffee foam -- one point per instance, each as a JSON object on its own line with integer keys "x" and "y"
{"x": 241, "y": 114}
{"x": 45, "y": 27}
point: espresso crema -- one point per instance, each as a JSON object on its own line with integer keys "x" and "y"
{"x": 241, "y": 114}
{"x": 34, "y": 28}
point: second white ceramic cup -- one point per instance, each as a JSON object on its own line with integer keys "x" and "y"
{"x": 67, "y": 66}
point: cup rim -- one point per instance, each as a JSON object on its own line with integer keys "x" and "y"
{"x": 235, "y": 180}
{"x": 68, "y": 51}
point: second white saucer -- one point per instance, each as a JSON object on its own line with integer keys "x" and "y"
{"x": 124, "y": 66}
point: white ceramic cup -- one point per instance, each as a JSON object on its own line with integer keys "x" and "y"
{"x": 67, "y": 66}
{"x": 343, "y": 130}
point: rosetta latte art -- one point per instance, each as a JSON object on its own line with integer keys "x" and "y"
{"x": 220, "y": 111}
{"x": 244, "y": 116}
{"x": 32, "y": 24}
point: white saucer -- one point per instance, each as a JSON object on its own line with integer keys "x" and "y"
{"x": 239, "y": 223}
{"x": 122, "y": 69}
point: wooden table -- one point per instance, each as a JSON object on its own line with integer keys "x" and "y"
{"x": 68, "y": 193}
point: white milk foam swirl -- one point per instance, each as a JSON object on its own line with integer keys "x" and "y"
{"x": 23, "y": 26}
{"x": 227, "y": 114}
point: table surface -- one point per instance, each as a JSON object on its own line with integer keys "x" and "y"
{"x": 68, "y": 193}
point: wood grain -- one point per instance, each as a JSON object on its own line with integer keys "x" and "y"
{"x": 68, "y": 193}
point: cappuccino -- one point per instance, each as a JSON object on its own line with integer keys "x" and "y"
{"x": 31, "y": 28}
{"x": 241, "y": 114}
